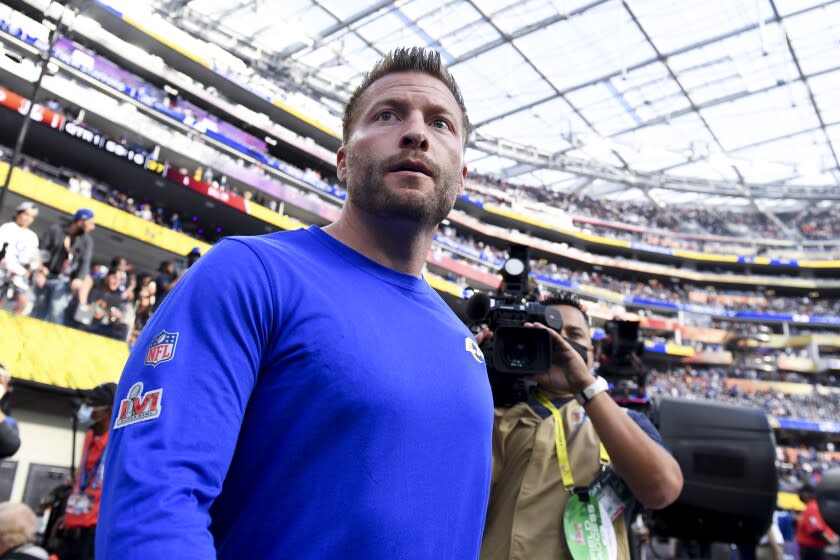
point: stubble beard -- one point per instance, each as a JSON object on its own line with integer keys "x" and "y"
{"x": 366, "y": 189}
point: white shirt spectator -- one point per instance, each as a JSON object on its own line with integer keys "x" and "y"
{"x": 145, "y": 212}
{"x": 22, "y": 249}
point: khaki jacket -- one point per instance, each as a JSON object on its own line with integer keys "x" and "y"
{"x": 525, "y": 514}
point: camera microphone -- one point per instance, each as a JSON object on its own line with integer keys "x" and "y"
{"x": 478, "y": 306}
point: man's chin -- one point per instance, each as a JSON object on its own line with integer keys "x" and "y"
{"x": 414, "y": 211}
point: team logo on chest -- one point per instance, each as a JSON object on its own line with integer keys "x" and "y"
{"x": 162, "y": 348}
{"x": 137, "y": 407}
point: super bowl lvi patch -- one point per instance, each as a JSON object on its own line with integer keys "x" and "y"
{"x": 139, "y": 407}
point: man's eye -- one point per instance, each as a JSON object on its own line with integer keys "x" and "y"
{"x": 440, "y": 123}
{"x": 385, "y": 116}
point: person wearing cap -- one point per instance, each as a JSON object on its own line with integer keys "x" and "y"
{"x": 67, "y": 252}
{"x": 193, "y": 255}
{"x": 82, "y": 512}
{"x": 19, "y": 250}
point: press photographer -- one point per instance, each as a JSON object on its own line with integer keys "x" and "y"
{"x": 568, "y": 463}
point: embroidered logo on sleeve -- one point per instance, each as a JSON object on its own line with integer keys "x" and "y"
{"x": 162, "y": 348}
{"x": 472, "y": 348}
{"x": 137, "y": 407}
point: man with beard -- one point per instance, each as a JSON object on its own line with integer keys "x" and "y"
{"x": 67, "y": 252}
{"x": 306, "y": 394}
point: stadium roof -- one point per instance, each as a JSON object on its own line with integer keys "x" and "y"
{"x": 743, "y": 96}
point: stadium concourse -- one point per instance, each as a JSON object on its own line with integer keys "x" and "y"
{"x": 173, "y": 142}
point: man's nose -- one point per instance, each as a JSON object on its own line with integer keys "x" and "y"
{"x": 414, "y": 134}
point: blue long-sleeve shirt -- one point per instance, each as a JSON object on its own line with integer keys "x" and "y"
{"x": 298, "y": 400}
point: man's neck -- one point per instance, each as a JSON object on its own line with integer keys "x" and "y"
{"x": 398, "y": 244}
{"x": 556, "y": 395}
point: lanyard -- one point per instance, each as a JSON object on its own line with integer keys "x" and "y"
{"x": 86, "y": 476}
{"x": 560, "y": 444}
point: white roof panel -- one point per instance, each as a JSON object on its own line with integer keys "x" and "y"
{"x": 694, "y": 88}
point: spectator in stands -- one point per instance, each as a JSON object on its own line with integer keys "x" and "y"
{"x": 528, "y": 460}
{"x": 250, "y": 335}
{"x": 82, "y": 513}
{"x": 9, "y": 435}
{"x": 144, "y": 211}
{"x": 128, "y": 280}
{"x": 166, "y": 279}
{"x": 174, "y": 222}
{"x": 17, "y": 533}
{"x": 19, "y": 250}
{"x": 812, "y": 533}
{"x": 193, "y": 256}
{"x": 146, "y": 282}
{"x": 81, "y": 185}
{"x": 109, "y": 308}
{"x": 67, "y": 252}
{"x": 142, "y": 312}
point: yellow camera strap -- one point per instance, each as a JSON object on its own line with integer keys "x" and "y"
{"x": 560, "y": 444}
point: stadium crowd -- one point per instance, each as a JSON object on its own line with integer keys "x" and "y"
{"x": 733, "y": 231}
{"x": 816, "y": 223}
{"x": 804, "y": 465}
{"x": 737, "y": 231}
{"x": 740, "y": 228}
{"x": 817, "y": 404}
{"x": 57, "y": 278}
{"x": 732, "y": 300}
{"x": 490, "y": 259}
{"x": 134, "y": 297}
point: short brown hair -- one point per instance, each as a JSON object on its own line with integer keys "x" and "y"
{"x": 414, "y": 59}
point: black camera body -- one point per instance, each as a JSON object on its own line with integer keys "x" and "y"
{"x": 621, "y": 351}
{"x": 516, "y": 349}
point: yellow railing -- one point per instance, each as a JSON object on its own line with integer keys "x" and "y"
{"x": 56, "y": 355}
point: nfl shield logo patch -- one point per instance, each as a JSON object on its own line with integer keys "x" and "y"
{"x": 162, "y": 348}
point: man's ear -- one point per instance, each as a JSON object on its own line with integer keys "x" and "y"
{"x": 341, "y": 163}
{"x": 463, "y": 180}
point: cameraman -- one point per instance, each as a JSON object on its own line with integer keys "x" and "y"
{"x": 540, "y": 508}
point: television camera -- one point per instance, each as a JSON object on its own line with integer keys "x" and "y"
{"x": 517, "y": 352}
{"x": 726, "y": 453}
